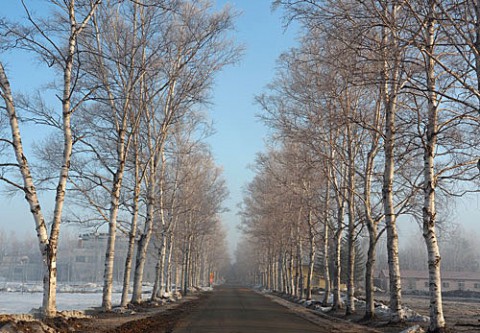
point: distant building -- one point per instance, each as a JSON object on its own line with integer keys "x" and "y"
{"x": 318, "y": 278}
{"x": 417, "y": 281}
{"x": 86, "y": 263}
{"x": 80, "y": 261}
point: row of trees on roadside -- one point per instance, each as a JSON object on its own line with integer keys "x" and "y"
{"x": 374, "y": 115}
{"x": 131, "y": 78}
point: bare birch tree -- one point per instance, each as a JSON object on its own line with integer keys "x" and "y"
{"x": 59, "y": 50}
{"x": 199, "y": 50}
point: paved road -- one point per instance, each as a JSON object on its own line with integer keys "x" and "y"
{"x": 238, "y": 310}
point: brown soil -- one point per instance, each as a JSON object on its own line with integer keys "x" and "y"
{"x": 461, "y": 315}
{"x": 146, "y": 317}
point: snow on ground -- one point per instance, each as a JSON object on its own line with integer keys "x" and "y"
{"x": 69, "y": 297}
{"x": 414, "y": 329}
{"x": 17, "y": 303}
{"x": 381, "y": 310}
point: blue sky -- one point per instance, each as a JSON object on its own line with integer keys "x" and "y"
{"x": 239, "y": 135}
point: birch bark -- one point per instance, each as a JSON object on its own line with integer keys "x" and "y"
{"x": 312, "y": 252}
{"x": 133, "y": 228}
{"x": 337, "y": 242}
{"x": 437, "y": 320}
{"x": 372, "y": 224}
{"x": 29, "y": 186}
{"x": 390, "y": 93}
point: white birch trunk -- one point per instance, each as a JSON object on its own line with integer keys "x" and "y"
{"x": 158, "y": 289}
{"x": 312, "y": 252}
{"x": 390, "y": 83}
{"x": 326, "y": 259}
{"x": 122, "y": 148}
{"x": 437, "y": 320}
{"x": 50, "y": 287}
{"x": 350, "y": 302}
{"x": 143, "y": 242}
{"x": 186, "y": 265}
{"x": 120, "y": 115}
{"x": 29, "y": 187}
{"x": 337, "y": 241}
{"x": 129, "y": 260}
{"x": 372, "y": 225}
{"x": 291, "y": 272}
{"x": 49, "y": 244}
{"x": 285, "y": 276}
{"x": 132, "y": 234}
{"x": 370, "y": 269}
{"x": 390, "y": 220}
{"x": 168, "y": 268}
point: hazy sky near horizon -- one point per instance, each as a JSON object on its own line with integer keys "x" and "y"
{"x": 239, "y": 134}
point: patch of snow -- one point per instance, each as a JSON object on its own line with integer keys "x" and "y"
{"x": 320, "y": 308}
{"x": 414, "y": 317}
{"x": 414, "y": 329}
{"x": 360, "y": 303}
{"x": 16, "y": 303}
{"x": 411, "y": 316}
{"x": 383, "y": 311}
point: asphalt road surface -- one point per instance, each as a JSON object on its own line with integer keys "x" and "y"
{"x": 238, "y": 310}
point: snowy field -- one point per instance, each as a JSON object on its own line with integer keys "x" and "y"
{"x": 69, "y": 297}
{"x": 16, "y": 302}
